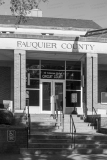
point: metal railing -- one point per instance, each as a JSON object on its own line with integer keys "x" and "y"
{"x": 72, "y": 129}
{"x": 59, "y": 117}
{"x": 28, "y": 117}
{"x": 28, "y": 121}
{"x": 97, "y": 118}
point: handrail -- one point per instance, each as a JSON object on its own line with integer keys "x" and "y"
{"x": 29, "y": 121}
{"x": 62, "y": 122}
{"x": 28, "y": 118}
{"x": 72, "y": 129}
{"x": 95, "y": 111}
{"x": 97, "y": 119}
{"x": 56, "y": 115}
{"x": 61, "y": 116}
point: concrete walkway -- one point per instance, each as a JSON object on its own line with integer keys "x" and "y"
{"x": 73, "y": 157}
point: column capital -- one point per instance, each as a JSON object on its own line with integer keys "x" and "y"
{"x": 19, "y": 51}
{"x": 95, "y": 55}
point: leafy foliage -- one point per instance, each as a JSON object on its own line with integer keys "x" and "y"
{"x": 1, "y": 2}
{"x": 20, "y": 8}
{"x": 6, "y": 117}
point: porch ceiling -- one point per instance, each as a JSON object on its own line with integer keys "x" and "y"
{"x": 55, "y": 55}
{"x": 102, "y": 59}
{"x": 7, "y": 55}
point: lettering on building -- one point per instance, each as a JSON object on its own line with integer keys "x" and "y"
{"x": 40, "y": 45}
{"x": 52, "y": 75}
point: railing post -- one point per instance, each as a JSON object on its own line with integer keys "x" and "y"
{"x": 63, "y": 122}
{"x": 27, "y": 137}
{"x": 70, "y": 123}
{"x": 97, "y": 120}
{"x": 60, "y": 115}
{"x": 56, "y": 112}
{"x": 74, "y": 138}
{"x": 72, "y": 131}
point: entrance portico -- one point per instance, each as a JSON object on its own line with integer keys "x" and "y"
{"x": 84, "y": 82}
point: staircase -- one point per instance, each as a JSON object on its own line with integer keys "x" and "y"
{"x": 47, "y": 138}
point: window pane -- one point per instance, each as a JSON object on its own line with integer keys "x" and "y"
{"x": 55, "y": 65}
{"x": 73, "y": 85}
{"x": 33, "y": 73}
{"x": 33, "y": 97}
{"x": 74, "y": 65}
{"x": 33, "y": 84}
{"x": 59, "y": 94}
{"x": 73, "y": 75}
{"x": 46, "y": 96}
{"x": 32, "y": 64}
{"x": 69, "y": 99}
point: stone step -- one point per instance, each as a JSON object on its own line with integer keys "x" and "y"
{"x": 42, "y": 124}
{"x": 53, "y": 129}
{"x": 48, "y": 136}
{"x": 95, "y": 137}
{"x": 84, "y": 131}
{"x": 45, "y": 151}
{"x": 67, "y": 140}
{"x": 50, "y": 145}
{"x": 61, "y": 151}
{"x": 66, "y": 145}
{"x": 58, "y": 136}
{"x": 49, "y": 141}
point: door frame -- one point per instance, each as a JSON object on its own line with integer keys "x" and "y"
{"x": 52, "y": 94}
{"x": 41, "y": 96}
{"x": 60, "y": 81}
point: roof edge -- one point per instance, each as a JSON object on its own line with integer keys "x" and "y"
{"x": 45, "y": 27}
{"x": 43, "y": 37}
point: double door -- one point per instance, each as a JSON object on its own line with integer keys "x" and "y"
{"x": 52, "y": 92}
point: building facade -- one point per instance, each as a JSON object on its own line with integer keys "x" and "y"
{"x": 49, "y": 59}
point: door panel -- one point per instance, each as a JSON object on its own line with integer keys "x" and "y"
{"x": 46, "y": 96}
{"x": 59, "y": 94}
{"x": 33, "y": 97}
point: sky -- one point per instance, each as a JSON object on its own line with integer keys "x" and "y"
{"x": 95, "y": 10}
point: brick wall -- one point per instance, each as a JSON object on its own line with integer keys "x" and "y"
{"x": 9, "y": 146}
{"x": 103, "y": 123}
{"x": 5, "y": 83}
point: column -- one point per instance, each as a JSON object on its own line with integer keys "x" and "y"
{"x": 91, "y": 81}
{"x": 19, "y": 79}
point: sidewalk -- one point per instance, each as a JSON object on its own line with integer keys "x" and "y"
{"x": 48, "y": 157}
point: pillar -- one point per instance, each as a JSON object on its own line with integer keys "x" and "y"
{"x": 19, "y": 79}
{"x": 91, "y": 82}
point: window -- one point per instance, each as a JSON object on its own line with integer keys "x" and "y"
{"x": 53, "y": 65}
{"x": 73, "y": 83}
{"x": 32, "y": 81}
{"x": 52, "y": 69}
